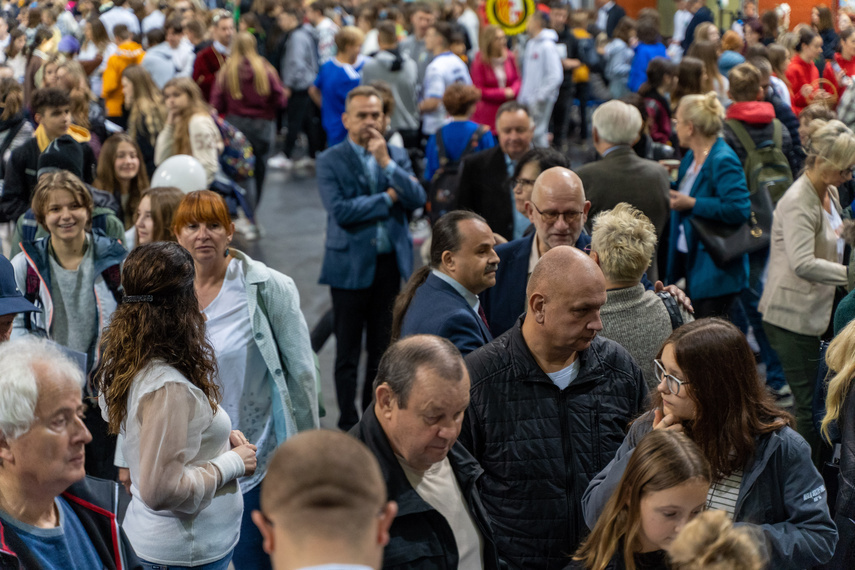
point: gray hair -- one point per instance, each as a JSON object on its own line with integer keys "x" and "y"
{"x": 402, "y": 361}
{"x": 19, "y": 391}
{"x": 617, "y": 122}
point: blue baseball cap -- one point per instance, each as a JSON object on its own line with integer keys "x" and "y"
{"x": 11, "y": 298}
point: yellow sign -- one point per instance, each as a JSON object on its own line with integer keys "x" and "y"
{"x": 510, "y": 15}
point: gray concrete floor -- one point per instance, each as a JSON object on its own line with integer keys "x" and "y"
{"x": 294, "y": 219}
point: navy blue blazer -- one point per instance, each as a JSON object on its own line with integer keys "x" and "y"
{"x": 350, "y": 256}
{"x": 505, "y": 302}
{"x": 438, "y": 309}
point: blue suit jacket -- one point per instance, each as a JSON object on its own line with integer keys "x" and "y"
{"x": 722, "y": 196}
{"x": 350, "y": 258}
{"x": 438, "y": 309}
{"x": 505, "y": 302}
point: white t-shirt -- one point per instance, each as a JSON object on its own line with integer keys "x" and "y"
{"x": 444, "y": 70}
{"x": 243, "y": 382}
{"x": 439, "y": 488}
{"x": 120, "y": 15}
{"x": 566, "y": 375}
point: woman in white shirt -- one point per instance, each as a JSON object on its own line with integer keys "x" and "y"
{"x": 158, "y": 390}
{"x": 95, "y": 51}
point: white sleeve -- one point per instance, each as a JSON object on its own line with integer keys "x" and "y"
{"x": 165, "y": 479}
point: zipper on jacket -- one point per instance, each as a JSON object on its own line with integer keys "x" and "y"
{"x": 567, "y": 450}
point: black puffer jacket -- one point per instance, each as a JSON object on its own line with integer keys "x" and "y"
{"x": 420, "y": 537}
{"x": 540, "y": 446}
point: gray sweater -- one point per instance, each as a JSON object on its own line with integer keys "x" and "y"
{"x": 638, "y": 321}
{"x": 403, "y": 82}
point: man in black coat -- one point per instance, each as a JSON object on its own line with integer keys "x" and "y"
{"x": 485, "y": 177}
{"x": 608, "y": 15}
{"x": 421, "y": 394}
{"x": 701, "y": 14}
{"x": 550, "y": 403}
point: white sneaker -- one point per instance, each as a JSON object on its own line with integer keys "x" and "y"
{"x": 246, "y": 228}
{"x": 280, "y": 161}
{"x": 305, "y": 162}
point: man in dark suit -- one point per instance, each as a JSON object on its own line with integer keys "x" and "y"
{"x": 622, "y": 175}
{"x": 608, "y": 15}
{"x": 367, "y": 189}
{"x": 701, "y": 14}
{"x": 485, "y": 177}
{"x": 442, "y": 298}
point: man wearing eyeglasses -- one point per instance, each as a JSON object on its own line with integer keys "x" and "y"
{"x": 549, "y": 403}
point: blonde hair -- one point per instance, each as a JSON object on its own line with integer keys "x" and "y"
{"x": 624, "y": 240}
{"x": 704, "y": 112}
{"x": 348, "y": 36}
{"x": 197, "y": 106}
{"x": 833, "y": 144}
{"x": 244, "y": 49}
{"x": 147, "y": 109}
{"x": 488, "y": 35}
{"x": 663, "y": 460}
{"x": 839, "y": 359}
{"x": 710, "y": 542}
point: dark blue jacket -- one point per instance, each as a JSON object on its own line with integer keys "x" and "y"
{"x": 350, "y": 257}
{"x": 505, "y": 302}
{"x": 722, "y": 196}
{"x": 701, "y": 16}
{"x": 438, "y": 309}
{"x": 784, "y": 113}
{"x": 781, "y": 492}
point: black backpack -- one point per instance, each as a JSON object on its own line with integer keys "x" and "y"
{"x": 444, "y": 186}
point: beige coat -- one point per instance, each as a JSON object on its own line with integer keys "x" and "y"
{"x": 803, "y": 266}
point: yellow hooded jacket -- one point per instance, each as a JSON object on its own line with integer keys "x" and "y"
{"x": 129, "y": 53}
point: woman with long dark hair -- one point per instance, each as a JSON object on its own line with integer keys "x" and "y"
{"x": 158, "y": 389}
{"x": 121, "y": 173}
{"x": 762, "y": 472}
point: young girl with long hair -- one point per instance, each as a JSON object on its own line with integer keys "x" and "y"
{"x": 144, "y": 109}
{"x": 95, "y": 51}
{"x": 36, "y": 58}
{"x": 86, "y": 111}
{"x": 153, "y": 218}
{"x": 691, "y": 77}
{"x": 158, "y": 390}
{"x": 707, "y": 52}
{"x": 779, "y": 58}
{"x": 15, "y": 52}
{"x": 15, "y": 129}
{"x": 248, "y": 93}
{"x": 661, "y": 73}
{"x": 664, "y": 487}
{"x": 189, "y": 127}
{"x": 761, "y": 468}
{"x": 120, "y": 172}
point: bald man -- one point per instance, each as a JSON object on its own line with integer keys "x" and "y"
{"x": 550, "y": 403}
{"x": 323, "y": 503}
{"x": 558, "y": 209}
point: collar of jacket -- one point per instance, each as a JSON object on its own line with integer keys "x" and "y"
{"x": 255, "y": 272}
{"x": 526, "y": 369}
{"x": 107, "y": 252}
{"x": 464, "y": 466}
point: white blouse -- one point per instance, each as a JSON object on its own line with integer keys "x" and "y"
{"x": 186, "y": 507}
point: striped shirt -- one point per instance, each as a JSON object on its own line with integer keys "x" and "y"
{"x": 724, "y": 492}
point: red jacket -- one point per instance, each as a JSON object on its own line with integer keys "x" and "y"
{"x": 492, "y": 96}
{"x": 207, "y": 64}
{"x": 799, "y": 74}
{"x": 252, "y": 104}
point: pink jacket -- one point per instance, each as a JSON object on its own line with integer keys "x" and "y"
{"x": 492, "y": 96}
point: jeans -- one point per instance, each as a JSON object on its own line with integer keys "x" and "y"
{"x": 221, "y": 564}
{"x": 744, "y": 314}
{"x": 249, "y": 553}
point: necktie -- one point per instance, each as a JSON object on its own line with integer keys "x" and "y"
{"x": 483, "y": 317}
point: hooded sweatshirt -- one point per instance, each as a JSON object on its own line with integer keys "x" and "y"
{"x": 129, "y": 53}
{"x": 757, "y": 117}
{"x": 401, "y": 73}
{"x": 542, "y": 72}
{"x": 164, "y": 63}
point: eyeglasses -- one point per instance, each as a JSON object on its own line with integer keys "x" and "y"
{"x": 523, "y": 182}
{"x": 552, "y": 217}
{"x": 672, "y": 382}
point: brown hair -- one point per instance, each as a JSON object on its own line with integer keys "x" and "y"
{"x": 107, "y": 180}
{"x": 147, "y": 112}
{"x": 690, "y": 70}
{"x": 197, "y": 106}
{"x": 459, "y": 98}
{"x": 164, "y": 202}
{"x": 732, "y": 406}
{"x": 707, "y": 52}
{"x": 661, "y": 461}
{"x": 60, "y": 180}
{"x": 624, "y": 29}
{"x": 12, "y": 97}
{"x": 77, "y": 84}
{"x": 170, "y": 328}
{"x": 488, "y": 34}
{"x": 200, "y": 206}
{"x": 826, "y": 22}
{"x": 744, "y": 82}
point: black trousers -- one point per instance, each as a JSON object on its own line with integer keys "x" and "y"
{"x": 102, "y": 448}
{"x": 560, "y": 120}
{"x": 355, "y": 311}
{"x": 303, "y": 116}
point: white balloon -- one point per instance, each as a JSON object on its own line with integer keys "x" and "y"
{"x": 181, "y": 171}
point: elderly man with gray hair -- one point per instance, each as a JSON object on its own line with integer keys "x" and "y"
{"x": 622, "y": 244}
{"x": 51, "y": 514}
{"x": 622, "y": 175}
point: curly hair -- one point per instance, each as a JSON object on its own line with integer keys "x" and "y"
{"x": 169, "y": 328}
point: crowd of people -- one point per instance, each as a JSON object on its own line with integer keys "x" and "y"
{"x": 622, "y": 339}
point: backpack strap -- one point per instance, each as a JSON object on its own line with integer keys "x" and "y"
{"x": 474, "y": 141}
{"x": 777, "y": 134}
{"x": 31, "y": 293}
{"x": 29, "y": 226}
{"x": 672, "y": 308}
{"x": 744, "y": 138}
{"x": 440, "y": 148}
